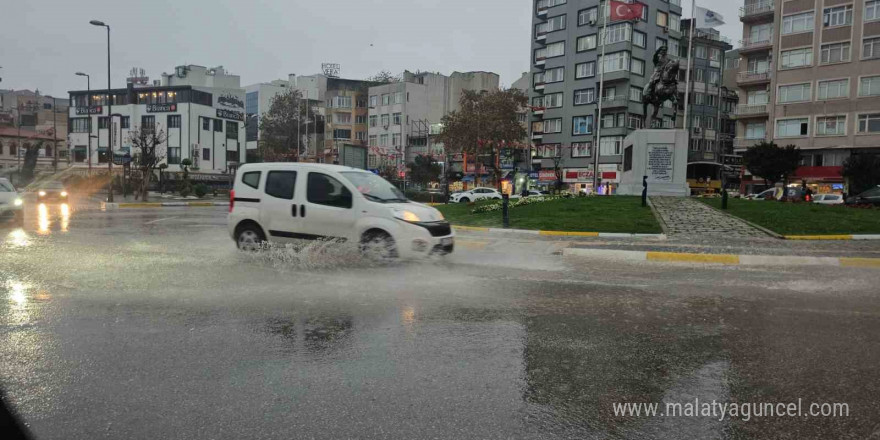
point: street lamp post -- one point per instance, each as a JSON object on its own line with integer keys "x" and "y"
{"x": 88, "y": 111}
{"x": 109, "y": 112}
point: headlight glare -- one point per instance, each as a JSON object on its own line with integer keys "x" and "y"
{"x": 407, "y": 216}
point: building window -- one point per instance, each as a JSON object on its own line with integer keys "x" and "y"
{"x": 834, "y": 53}
{"x": 797, "y": 58}
{"x": 343, "y": 118}
{"x": 834, "y": 89}
{"x": 581, "y": 149}
{"x": 634, "y": 121}
{"x": 588, "y": 16}
{"x": 396, "y": 118}
{"x": 610, "y": 145}
{"x": 659, "y": 42}
{"x": 758, "y": 65}
{"x": 584, "y": 96}
{"x": 383, "y": 140}
{"x": 360, "y": 119}
{"x": 869, "y": 86}
{"x": 662, "y": 19}
{"x": 173, "y": 121}
{"x": 869, "y": 123}
{"x": 794, "y": 93}
{"x": 148, "y": 123}
{"x": 395, "y": 139}
{"x": 714, "y": 54}
{"x": 232, "y": 130}
{"x": 618, "y": 32}
{"x": 206, "y": 124}
{"x": 374, "y": 100}
{"x": 872, "y": 10}
{"x": 831, "y": 126}
{"x": 125, "y": 122}
{"x": 360, "y": 135}
{"x": 761, "y": 32}
{"x": 674, "y": 22}
{"x": 796, "y": 23}
{"x": 386, "y": 120}
{"x": 582, "y": 125}
{"x": 699, "y": 75}
{"x": 538, "y": 127}
{"x": 615, "y": 62}
{"x": 639, "y": 39}
{"x": 398, "y": 97}
{"x": 374, "y": 120}
{"x": 714, "y": 77}
{"x": 553, "y": 125}
{"x": 635, "y": 94}
{"x": 103, "y": 123}
{"x": 756, "y": 130}
{"x": 550, "y": 51}
{"x": 700, "y": 52}
{"x": 218, "y": 126}
{"x": 342, "y": 133}
{"x": 871, "y": 48}
{"x": 544, "y": 4}
{"x": 79, "y": 125}
{"x": 587, "y": 42}
{"x": 795, "y": 127}
{"x": 585, "y": 70}
{"x": 206, "y": 154}
{"x": 549, "y": 150}
{"x": 638, "y": 67}
{"x": 838, "y": 16}
{"x": 552, "y": 24}
{"x": 173, "y": 155}
{"x": 554, "y": 75}
{"x": 386, "y": 99}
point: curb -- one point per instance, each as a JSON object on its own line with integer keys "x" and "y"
{"x": 834, "y": 237}
{"x": 723, "y": 259}
{"x": 560, "y": 233}
{"x": 113, "y": 206}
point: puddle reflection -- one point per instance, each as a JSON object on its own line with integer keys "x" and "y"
{"x": 318, "y": 333}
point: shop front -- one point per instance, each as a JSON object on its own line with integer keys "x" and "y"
{"x": 820, "y": 180}
{"x": 609, "y": 174}
{"x": 579, "y": 180}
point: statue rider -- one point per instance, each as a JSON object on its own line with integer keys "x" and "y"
{"x": 661, "y": 60}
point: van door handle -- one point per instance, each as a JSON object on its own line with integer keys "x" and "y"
{"x": 302, "y": 210}
{"x": 293, "y": 210}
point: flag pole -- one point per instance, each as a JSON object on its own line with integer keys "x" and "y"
{"x": 601, "y": 67}
{"x": 687, "y": 79}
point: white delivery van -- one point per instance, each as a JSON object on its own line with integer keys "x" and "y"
{"x": 283, "y": 202}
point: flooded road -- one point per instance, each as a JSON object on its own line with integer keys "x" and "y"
{"x": 149, "y": 324}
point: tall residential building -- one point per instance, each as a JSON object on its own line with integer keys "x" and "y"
{"x": 565, "y": 71}
{"x": 810, "y": 77}
{"x": 201, "y": 111}
{"x": 404, "y": 115}
{"x": 711, "y": 107}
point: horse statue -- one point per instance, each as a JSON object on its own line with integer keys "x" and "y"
{"x": 662, "y": 86}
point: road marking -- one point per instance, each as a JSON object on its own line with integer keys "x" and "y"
{"x": 860, "y": 262}
{"x": 693, "y": 258}
{"x": 819, "y": 237}
{"x": 470, "y": 228}
{"x": 158, "y": 220}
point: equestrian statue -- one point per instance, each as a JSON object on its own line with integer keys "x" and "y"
{"x": 662, "y": 86}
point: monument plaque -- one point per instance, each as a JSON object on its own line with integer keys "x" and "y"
{"x": 660, "y": 163}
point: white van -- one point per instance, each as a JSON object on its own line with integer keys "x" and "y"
{"x": 283, "y": 202}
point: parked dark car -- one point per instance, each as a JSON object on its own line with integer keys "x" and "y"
{"x": 869, "y": 197}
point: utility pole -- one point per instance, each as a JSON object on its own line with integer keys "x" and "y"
{"x": 89, "y": 112}
{"x": 109, "y": 113}
{"x": 606, "y": 16}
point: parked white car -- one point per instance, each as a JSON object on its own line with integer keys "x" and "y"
{"x": 763, "y": 195}
{"x": 531, "y": 193}
{"x": 283, "y": 202}
{"x": 11, "y": 203}
{"x": 475, "y": 194}
{"x": 828, "y": 199}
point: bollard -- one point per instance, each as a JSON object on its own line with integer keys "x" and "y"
{"x": 505, "y": 200}
{"x": 724, "y": 199}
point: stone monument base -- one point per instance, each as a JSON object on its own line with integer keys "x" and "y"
{"x": 659, "y": 154}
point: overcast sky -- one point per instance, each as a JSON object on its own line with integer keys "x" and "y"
{"x": 46, "y": 41}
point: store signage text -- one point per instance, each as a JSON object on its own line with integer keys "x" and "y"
{"x": 230, "y": 114}
{"x": 95, "y": 110}
{"x": 161, "y": 108}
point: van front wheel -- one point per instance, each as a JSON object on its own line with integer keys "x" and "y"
{"x": 378, "y": 245}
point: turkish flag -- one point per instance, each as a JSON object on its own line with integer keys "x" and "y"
{"x": 626, "y": 11}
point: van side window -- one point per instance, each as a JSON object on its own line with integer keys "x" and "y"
{"x": 251, "y": 179}
{"x": 325, "y": 190}
{"x": 280, "y": 184}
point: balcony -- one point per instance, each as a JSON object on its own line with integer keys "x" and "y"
{"x": 751, "y": 110}
{"x": 755, "y": 44}
{"x": 753, "y": 77}
{"x": 539, "y": 87}
{"x": 615, "y": 101}
{"x": 756, "y": 11}
{"x": 542, "y": 12}
{"x": 742, "y": 144}
{"x": 541, "y": 37}
{"x": 540, "y": 62}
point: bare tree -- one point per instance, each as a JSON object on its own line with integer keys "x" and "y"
{"x": 149, "y": 145}
{"x": 385, "y": 76}
{"x": 29, "y": 164}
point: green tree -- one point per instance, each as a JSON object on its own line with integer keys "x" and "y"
{"x": 282, "y": 126}
{"x": 186, "y": 163}
{"x": 771, "y": 162}
{"x": 29, "y": 163}
{"x": 424, "y": 170}
{"x": 862, "y": 171}
{"x": 487, "y": 122}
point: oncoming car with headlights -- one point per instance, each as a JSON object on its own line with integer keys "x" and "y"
{"x": 51, "y": 191}
{"x": 11, "y": 204}
{"x": 284, "y": 202}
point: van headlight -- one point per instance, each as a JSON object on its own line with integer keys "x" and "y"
{"x": 63, "y": 193}
{"x": 42, "y": 193}
{"x": 407, "y": 216}
{"x": 439, "y": 215}
{"x": 18, "y": 202}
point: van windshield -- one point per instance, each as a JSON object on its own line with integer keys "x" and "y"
{"x": 375, "y": 188}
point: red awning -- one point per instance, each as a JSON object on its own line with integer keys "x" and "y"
{"x": 831, "y": 173}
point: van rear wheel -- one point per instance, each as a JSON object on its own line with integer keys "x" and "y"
{"x": 249, "y": 237}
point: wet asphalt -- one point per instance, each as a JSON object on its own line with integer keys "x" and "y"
{"x": 149, "y": 324}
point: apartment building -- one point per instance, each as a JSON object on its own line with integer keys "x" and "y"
{"x": 201, "y": 111}
{"x": 710, "y": 109}
{"x": 258, "y": 101}
{"x": 810, "y": 77}
{"x": 566, "y": 58}
{"x": 29, "y": 116}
